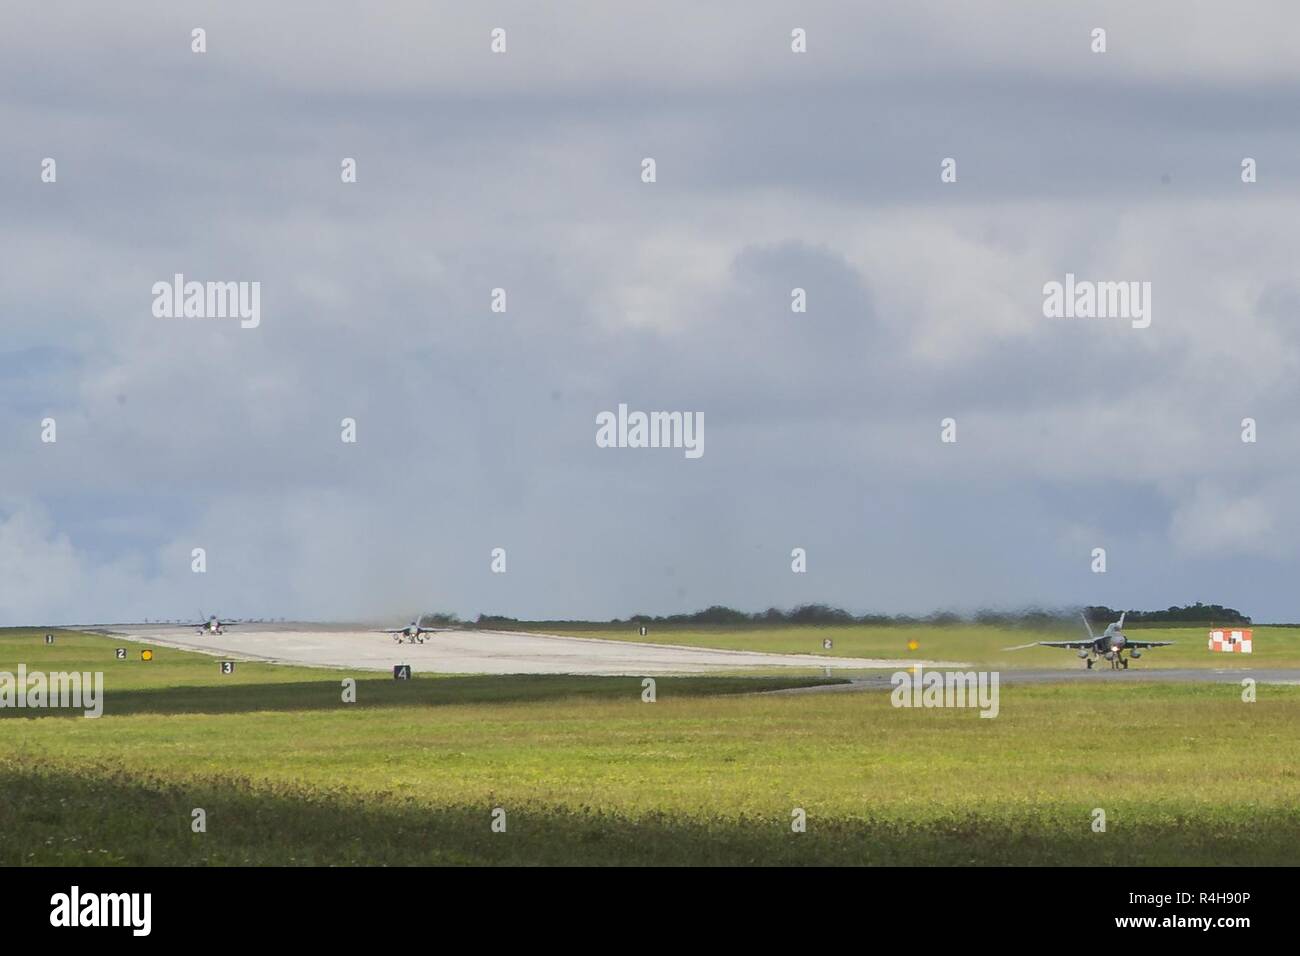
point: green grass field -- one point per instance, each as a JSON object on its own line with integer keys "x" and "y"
{"x": 1273, "y": 646}
{"x": 589, "y": 774}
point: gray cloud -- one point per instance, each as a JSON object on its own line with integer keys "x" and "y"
{"x": 477, "y": 430}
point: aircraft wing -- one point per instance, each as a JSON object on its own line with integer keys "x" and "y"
{"x": 392, "y": 630}
{"x": 1129, "y": 642}
{"x": 1073, "y": 644}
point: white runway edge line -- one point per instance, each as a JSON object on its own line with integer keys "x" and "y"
{"x": 487, "y": 652}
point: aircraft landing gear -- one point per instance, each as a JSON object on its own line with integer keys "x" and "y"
{"x": 1123, "y": 663}
{"x": 1089, "y": 663}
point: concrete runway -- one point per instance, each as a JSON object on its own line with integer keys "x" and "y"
{"x": 481, "y": 652}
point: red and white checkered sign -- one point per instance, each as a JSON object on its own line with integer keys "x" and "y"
{"x": 1238, "y": 642}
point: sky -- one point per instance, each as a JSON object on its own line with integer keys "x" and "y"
{"x": 523, "y": 170}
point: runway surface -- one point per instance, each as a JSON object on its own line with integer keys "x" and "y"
{"x": 482, "y": 652}
{"x": 514, "y": 652}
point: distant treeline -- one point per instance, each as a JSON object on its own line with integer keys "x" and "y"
{"x": 824, "y": 614}
{"x": 1197, "y": 613}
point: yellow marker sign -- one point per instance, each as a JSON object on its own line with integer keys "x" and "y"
{"x": 146, "y": 655}
{"x": 913, "y": 644}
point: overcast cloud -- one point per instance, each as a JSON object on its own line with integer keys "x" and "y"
{"x": 775, "y": 170}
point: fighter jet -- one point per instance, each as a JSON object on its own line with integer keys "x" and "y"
{"x": 413, "y": 633}
{"x": 213, "y": 625}
{"x": 1110, "y": 645}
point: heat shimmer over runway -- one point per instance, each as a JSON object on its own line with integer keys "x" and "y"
{"x": 482, "y": 652}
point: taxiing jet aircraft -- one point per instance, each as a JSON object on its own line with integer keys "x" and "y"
{"x": 1110, "y": 644}
{"x": 213, "y": 625}
{"x": 413, "y": 633}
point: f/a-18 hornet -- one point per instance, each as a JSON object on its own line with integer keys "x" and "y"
{"x": 1109, "y": 645}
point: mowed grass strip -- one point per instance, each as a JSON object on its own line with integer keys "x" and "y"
{"x": 977, "y": 644}
{"x": 1187, "y": 774}
{"x": 106, "y": 816}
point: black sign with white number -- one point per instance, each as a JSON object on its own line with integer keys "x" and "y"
{"x": 227, "y": 667}
{"x": 49, "y": 638}
{"x": 120, "y": 653}
{"x": 401, "y": 671}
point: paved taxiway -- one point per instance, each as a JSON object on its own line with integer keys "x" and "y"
{"x": 482, "y": 652}
{"x": 1188, "y": 675}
